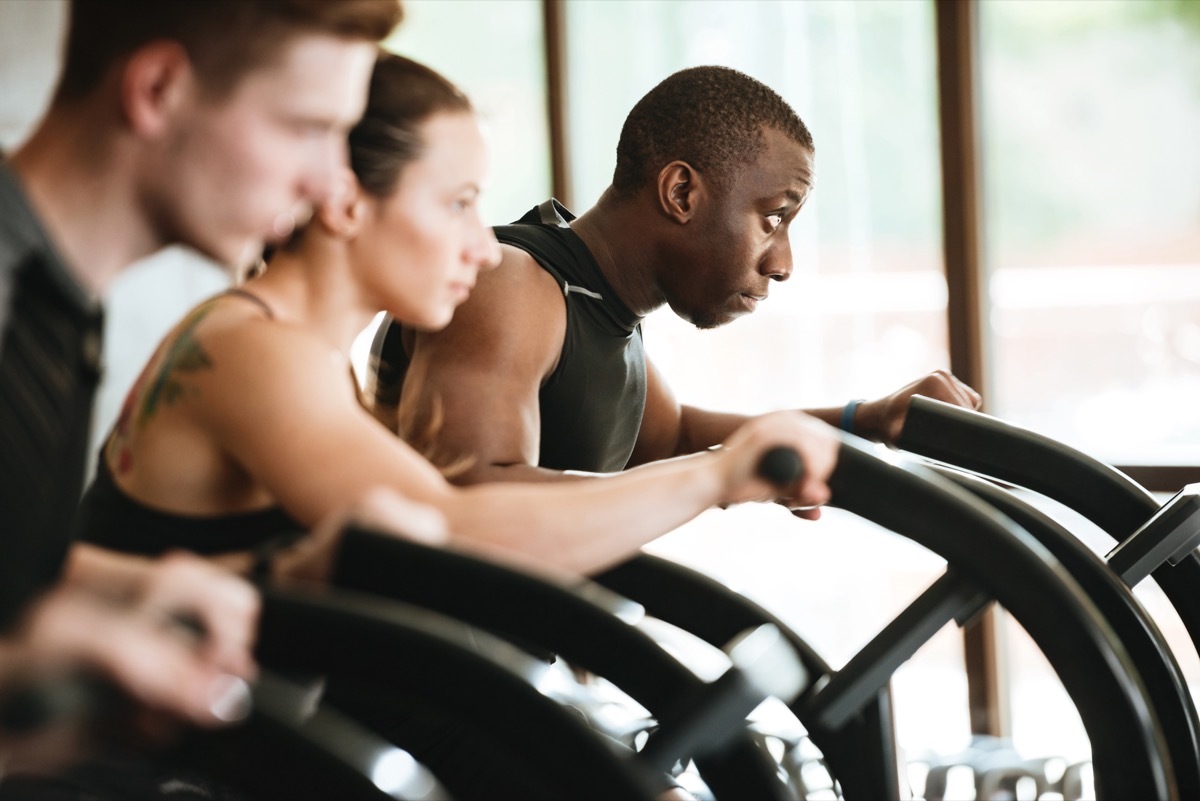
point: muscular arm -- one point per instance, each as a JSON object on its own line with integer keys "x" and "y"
{"x": 672, "y": 429}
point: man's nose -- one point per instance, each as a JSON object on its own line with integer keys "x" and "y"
{"x": 778, "y": 264}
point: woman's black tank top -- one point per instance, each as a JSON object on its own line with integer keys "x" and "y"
{"x": 110, "y": 518}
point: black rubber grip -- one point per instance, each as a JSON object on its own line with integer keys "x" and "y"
{"x": 781, "y": 466}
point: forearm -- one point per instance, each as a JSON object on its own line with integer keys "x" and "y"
{"x": 701, "y": 429}
{"x": 830, "y": 416}
{"x": 520, "y": 472}
{"x": 595, "y": 524}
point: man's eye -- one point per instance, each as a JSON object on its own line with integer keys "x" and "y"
{"x": 775, "y": 219}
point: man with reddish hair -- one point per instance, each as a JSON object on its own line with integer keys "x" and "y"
{"x": 210, "y": 124}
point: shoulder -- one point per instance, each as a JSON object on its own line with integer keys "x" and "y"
{"x": 518, "y": 284}
{"x": 233, "y": 361}
{"x": 515, "y": 315}
{"x": 520, "y": 270}
{"x": 252, "y": 345}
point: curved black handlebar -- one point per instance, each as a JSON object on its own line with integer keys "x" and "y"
{"x": 977, "y": 541}
{"x": 1099, "y": 492}
{"x": 985, "y": 444}
{"x": 1161, "y": 673}
{"x": 862, "y": 753}
{"x": 457, "y": 673}
{"x": 550, "y": 617}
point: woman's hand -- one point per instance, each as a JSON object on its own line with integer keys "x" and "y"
{"x": 815, "y": 442}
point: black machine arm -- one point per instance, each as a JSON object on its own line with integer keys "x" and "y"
{"x": 999, "y": 558}
{"x": 1148, "y": 540}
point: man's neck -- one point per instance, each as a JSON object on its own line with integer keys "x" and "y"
{"x": 83, "y": 195}
{"x": 616, "y": 232}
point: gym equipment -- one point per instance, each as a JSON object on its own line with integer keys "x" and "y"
{"x": 1162, "y": 546}
{"x": 1147, "y": 649}
{"x": 292, "y": 747}
{"x": 1145, "y": 532}
{"x": 862, "y": 755}
{"x": 996, "y": 770}
{"x": 581, "y": 622}
{"x": 286, "y": 750}
{"x": 285, "y": 747}
{"x": 987, "y": 553}
{"x": 997, "y": 560}
{"x": 414, "y": 655}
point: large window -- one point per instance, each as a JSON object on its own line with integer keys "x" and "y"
{"x": 493, "y": 49}
{"x": 1091, "y": 118}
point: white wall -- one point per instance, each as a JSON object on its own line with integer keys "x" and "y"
{"x": 30, "y": 34}
{"x": 154, "y": 293}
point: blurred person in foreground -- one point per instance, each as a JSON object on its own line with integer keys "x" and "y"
{"x": 211, "y": 125}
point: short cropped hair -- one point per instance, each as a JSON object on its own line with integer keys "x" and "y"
{"x": 223, "y": 38}
{"x": 710, "y": 117}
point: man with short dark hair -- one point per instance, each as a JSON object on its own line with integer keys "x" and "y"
{"x": 542, "y": 370}
{"x": 211, "y": 124}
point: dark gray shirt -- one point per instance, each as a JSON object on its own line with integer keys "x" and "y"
{"x": 50, "y": 337}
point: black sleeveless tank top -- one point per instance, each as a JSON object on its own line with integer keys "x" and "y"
{"x": 591, "y": 405}
{"x": 110, "y": 518}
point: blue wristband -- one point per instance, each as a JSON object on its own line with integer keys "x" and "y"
{"x": 848, "y": 412}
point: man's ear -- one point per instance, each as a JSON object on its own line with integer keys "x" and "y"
{"x": 680, "y": 191}
{"x": 154, "y": 82}
{"x": 346, "y": 208}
